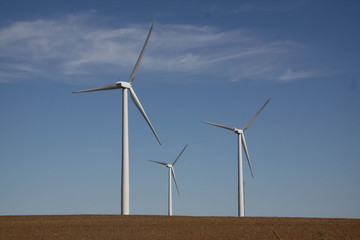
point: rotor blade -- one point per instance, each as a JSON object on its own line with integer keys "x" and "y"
{"x": 249, "y": 123}
{"x": 173, "y": 174}
{"x": 222, "y": 126}
{"x": 106, "y": 87}
{"x": 179, "y": 155}
{"x": 247, "y": 153}
{"x": 162, "y": 163}
{"x": 142, "y": 111}
{"x": 137, "y": 65}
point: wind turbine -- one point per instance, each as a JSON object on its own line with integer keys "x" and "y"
{"x": 171, "y": 172}
{"x": 241, "y": 143}
{"x": 125, "y": 86}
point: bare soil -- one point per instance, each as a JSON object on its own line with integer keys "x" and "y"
{"x": 175, "y": 227}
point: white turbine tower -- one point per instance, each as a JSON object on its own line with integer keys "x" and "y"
{"x": 171, "y": 172}
{"x": 125, "y": 86}
{"x": 241, "y": 144}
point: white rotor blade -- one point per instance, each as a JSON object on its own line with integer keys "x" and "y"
{"x": 249, "y": 123}
{"x": 106, "y": 87}
{"x": 222, "y": 126}
{"x": 173, "y": 174}
{"x": 137, "y": 65}
{"x": 142, "y": 111}
{"x": 162, "y": 163}
{"x": 179, "y": 155}
{"x": 247, "y": 153}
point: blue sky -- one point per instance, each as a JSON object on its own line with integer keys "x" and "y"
{"x": 216, "y": 61}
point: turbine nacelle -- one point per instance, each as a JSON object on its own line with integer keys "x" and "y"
{"x": 169, "y": 165}
{"x": 121, "y": 84}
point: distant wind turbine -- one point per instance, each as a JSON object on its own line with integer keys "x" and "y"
{"x": 125, "y": 86}
{"x": 241, "y": 143}
{"x": 171, "y": 172}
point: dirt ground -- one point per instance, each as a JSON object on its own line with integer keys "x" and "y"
{"x": 175, "y": 227}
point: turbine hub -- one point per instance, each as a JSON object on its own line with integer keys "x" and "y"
{"x": 169, "y": 165}
{"x": 239, "y": 131}
{"x": 123, "y": 84}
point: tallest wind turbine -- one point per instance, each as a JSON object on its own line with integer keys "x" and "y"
{"x": 241, "y": 143}
{"x": 125, "y": 86}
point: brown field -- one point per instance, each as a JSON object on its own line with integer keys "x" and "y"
{"x": 175, "y": 227}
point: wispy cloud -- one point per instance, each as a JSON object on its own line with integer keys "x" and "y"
{"x": 290, "y": 75}
{"x": 73, "y": 47}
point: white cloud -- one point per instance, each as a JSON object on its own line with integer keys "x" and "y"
{"x": 289, "y": 75}
{"x": 74, "y": 47}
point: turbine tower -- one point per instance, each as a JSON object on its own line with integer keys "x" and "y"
{"x": 241, "y": 144}
{"x": 171, "y": 172}
{"x": 125, "y": 86}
